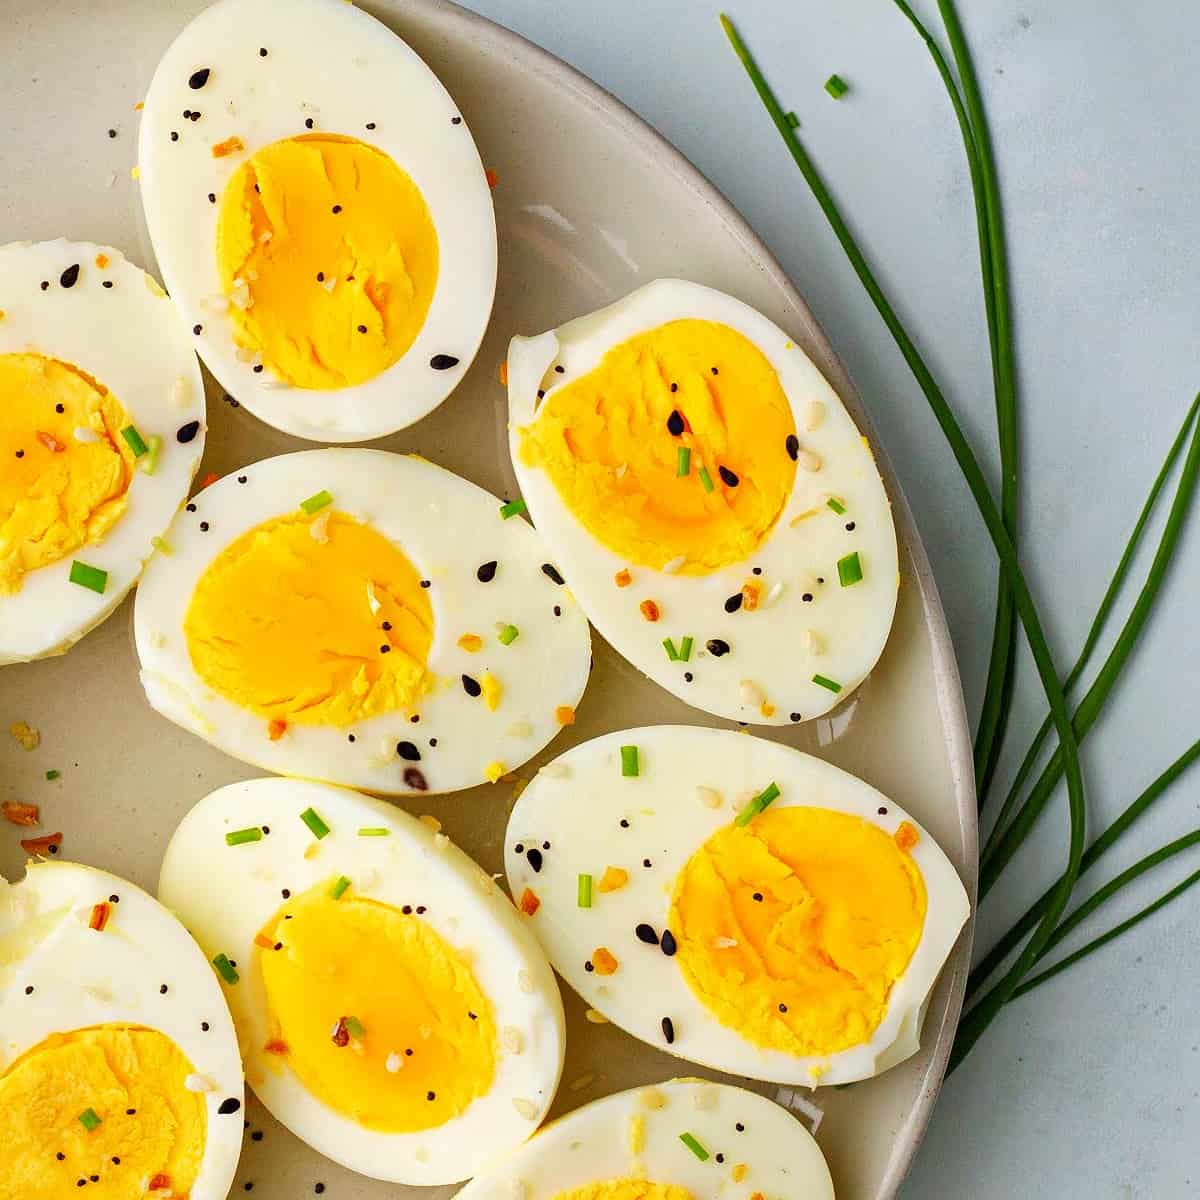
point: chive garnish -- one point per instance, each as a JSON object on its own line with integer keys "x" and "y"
{"x": 837, "y": 506}
{"x": 53, "y": 775}
{"x": 149, "y": 464}
{"x": 315, "y": 824}
{"x": 685, "y": 649}
{"x": 92, "y": 578}
{"x": 354, "y": 1027}
{"x": 316, "y": 502}
{"x": 89, "y": 1119}
{"x": 669, "y": 647}
{"x": 836, "y": 86}
{"x": 134, "y": 440}
{"x": 225, "y": 968}
{"x": 629, "y": 761}
{"x": 339, "y": 888}
{"x": 239, "y": 837}
{"x": 762, "y": 801}
{"x": 512, "y": 508}
{"x": 705, "y": 479}
{"x": 793, "y": 120}
{"x": 850, "y": 570}
{"x": 683, "y": 461}
{"x": 694, "y": 1146}
{"x": 373, "y": 831}
{"x": 825, "y": 682}
{"x": 508, "y": 635}
{"x": 584, "y": 892}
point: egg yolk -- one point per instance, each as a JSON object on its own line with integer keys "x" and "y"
{"x": 329, "y": 258}
{"x": 66, "y": 468}
{"x": 680, "y": 445}
{"x": 626, "y": 1189}
{"x": 792, "y": 929}
{"x": 311, "y": 620}
{"x": 128, "y": 1084}
{"x": 376, "y": 1014}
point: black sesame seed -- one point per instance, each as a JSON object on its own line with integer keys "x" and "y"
{"x": 758, "y": 897}
{"x": 262, "y": 52}
{"x": 29, "y": 989}
{"x": 456, "y": 120}
{"x": 557, "y": 611}
{"x": 197, "y": 329}
{"x": 756, "y": 571}
{"x": 720, "y": 1158}
{"x": 107, "y": 283}
{"x": 624, "y": 823}
{"x": 229, "y": 1106}
{"x": 319, "y": 1189}
{"x": 195, "y": 116}
{"x": 350, "y": 737}
{"x": 647, "y": 863}
{"x": 668, "y": 943}
{"x": 258, "y": 369}
{"x": 551, "y": 573}
{"x": 443, "y": 362}
{"x": 241, "y": 479}
{"x": 715, "y": 371}
{"x": 408, "y": 752}
{"x": 248, "y": 1185}
{"x": 266, "y": 829}
{"x": 20, "y": 453}
{"x": 883, "y": 812}
{"x": 783, "y": 1008}
{"x": 740, "y": 1127}
{"x": 421, "y": 910}
{"x": 545, "y": 845}
{"x": 541, "y": 394}
{"x": 668, "y": 1026}
{"x": 431, "y": 1095}
{"x": 81, "y": 1183}
{"x": 688, "y": 677}
{"x": 426, "y": 583}
{"x": 370, "y": 124}
{"x": 70, "y": 276}
{"x": 58, "y": 408}
{"x": 112, "y": 133}
{"x": 589, "y": 966}
{"x": 794, "y": 716}
{"x": 212, "y": 197}
{"x": 487, "y": 572}
{"x": 203, "y": 526}
{"x": 191, "y": 508}
{"x": 807, "y": 597}
{"x": 471, "y": 686}
{"x": 645, "y": 933}
{"x": 174, "y": 136}
{"x": 386, "y": 626}
{"x": 792, "y": 445}
{"x": 199, "y": 78}
{"x": 733, "y": 603}
{"x": 674, "y": 387}
{"x": 308, "y": 122}
{"x": 675, "y": 423}
{"x": 519, "y": 848}
{"x": 534, "y": 858}
{"x": 204, "y": 1026}
{"x": 415, "y": 718}
{"x": 415, "y": 780}
{"x": 728, "y": 477}
{"x": 407, "y": 911}
{"x": 162, "y": 991}
{"x": 185, "y": 433}
{"x": 849, "y": 526}
{"x": 45, "y": 284}
{"x": 337, "y": 208}
{"x": 820, "y": 578}
{"x": 471, "y": 1015}
{"x": 433, "y": 742}
{"x": 131, "y": 1112}
{"x": 257, "y": 1136}
{"x": 60, "y": 1156}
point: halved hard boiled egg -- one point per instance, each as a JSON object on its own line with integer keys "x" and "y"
{"x": 364, "y": 618}
{"x": 392, "y": 1009}
{"x": 736, "y": 902}
{"x": 710, "y": 500}
{"x": 320, "y": 215}
{"x": 679, "y": 1140}
{"x": 119, "y": 1067}
{"x": 101, "y": 430}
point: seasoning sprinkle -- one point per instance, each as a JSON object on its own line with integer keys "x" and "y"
{"x": 316, "y": 502}
{"x": 99, "y": 917}
{"x": 512, "y": 508}
{"x": 850, "y": 569}
{"x": 92, "y": 578}
{"x": 583, "y": 895}
{"x": 241, "y": 837}
{"x": 339, "y": 888}
{"x": 825, "y": 682}
{"x": 225, "y": 968}
{"x": 316, "y": 826}
{"x": 675, "y": 423}
{"x": 630, "y": 765}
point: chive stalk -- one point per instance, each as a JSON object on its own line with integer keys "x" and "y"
{"x": 316, "y": 826}
{"x": 225, "y": 968}
{"x": 824, "y": 681}
{"x": 512, "y": 508}
{"x": 683, "y": 461}
{"x": 669, "y": 647}
{"x": 630, "y": 767}
{"x": 354, "y": 1027}
{"x": 837, "y": 506}
{"x": 92, "y": 578}
{"x": 316, "y": 502}
{"x": 762, "y": 801}
{"x": 706, "y": 479}
{"x": 134, "y": 440}
{"x": 339, "y": 888}
{"x": 240, "y": 837}
{"x": 583, "y": 898}
{"x": 685, "y": 649}
{"x": 508, "y": 635}
{"x": 694, "y": 1146}
{"x": 373, "y": 831}
{"x": 836, "y": 86}
{"x": 850, "y": 570}
{"x": 89, "y": 1119}
{"x": 149, "y": 464}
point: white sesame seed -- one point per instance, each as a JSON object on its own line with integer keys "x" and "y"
{"x": 556, "y": 770}
{"x": 709, "y": 797}
{"x": 705, "y": 1098}
{"x": 199, "y": 1083}
{"x": 513, "y": 1039}
{"x": 724, "y": 943}
{"x": 751, "y": 693}
{"x": 807, "y": 460}
{"x": 813, "y": 642}
{"x": 675, "y": 564}
{"x": 814, "y": 414}
{"x": 526, "y": 1108}
{"x": 215, "y": 304}
{"x": 394, "y": 1062}
{"x": 774, "y": 592}
{"x": 181, "y": 393}
{"x": 85, "y": 435}
{"x": 595, "y": 1018}
{"x": 525, "y": 982}
{"x": 319, "y": 530}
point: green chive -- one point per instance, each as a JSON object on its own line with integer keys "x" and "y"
{"x": 318, "y": 827}
{"x": 92, "y": 578}
{"x": 685, "y": 649}
{"x": 850, "y": 570}
{"x": 669, "y": 647}
{"x": 88, "y": 1119}
{"x": 683, "y": 461}
{"x": 373, "y": 831}
{"x": 339, "y": 889}
{"x": 316, "y": 502}
{"x": 508, "y": 635}
{"x": 705, "y": 479}
{"x": 512, "y": 508}
{"x": 225, "y": 968}
{"x": 837, "y": 506}
{"x": 52, "y": 775}
{"x": 793, "y": 120}
{"x": 629, "y": 761}
{"x": 149, "y": 464}
{"x": 354, "y": 1027}
{"x": 836, "y": 86}
{"x": 694, "y": 1146}
{"x": 763, "y": 800}
{"x": 239, "y": 837}
{"x": 584, "y": 894}
{"x": 134, "y": 440}
{"x": 825, "y": 682}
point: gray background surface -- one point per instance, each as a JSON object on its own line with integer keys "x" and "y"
{"x": 1089, "y": 1087}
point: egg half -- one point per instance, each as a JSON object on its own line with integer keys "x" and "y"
{"x": 364, "y": 618}
{"x": 101, "y": 430}
{"x": 710, "y": 500}
{"x": 735, "y": 902}
{"x": 119, "y": 1067}
{"x": 392, "y": 1010}
{"x": 680, "y": 1140}
{"x": 320, "y": 215}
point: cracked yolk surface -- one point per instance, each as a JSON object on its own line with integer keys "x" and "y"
{"x": 626, "y": 1189}
{"x": 66, "y": 469}
{"x": 793, "y": 929}
{"x": 46, "y": 1149}
{"x": 312, "y": 620}
{"x": 329, "y": 257}
{"x": 611, "y": 440}
{"x": 377, "y": 1015}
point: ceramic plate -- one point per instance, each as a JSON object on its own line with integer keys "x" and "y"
{"x": 590, "y": 204}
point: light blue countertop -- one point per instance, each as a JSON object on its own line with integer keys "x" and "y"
{"x": 1089, "y": 1086}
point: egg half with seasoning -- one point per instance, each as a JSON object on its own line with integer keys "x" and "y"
{"x": 679, "y": 1140}
{"x": 710, "y": 500}
{"x": 101, "y": 430}
{"x": 119, "y": 1067}
{"x": 736, "y": 902}
{"x": 320, "y": 215}
{"x": 364, "y": 618}
{"x": 392, "y": 1009}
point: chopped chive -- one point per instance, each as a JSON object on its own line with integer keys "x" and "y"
{"x": 683, "y": 461}
{"x": 373, "y": 831}
{"x": 825, "y": 682}
{"x": 52, "y": 775}
{"x": 508, "y": 635}
{"x": 837, "y": 506}
{"x": 89, "y": 1119}
{"x": 669, "y": 647}
{"x": 239, "y": 837}
{"x": 149, "y": 464}
{"x": 354, "y": 1027}
{"x": 161, "y": 545}
{"x": 584, "y": 894}
{"x": 705, "y": 479}
{"x": 316, "y": 502}
{"x": 318, "y": 827}
{"x": 694, "y": 1146}
{"x": 685, "y": 649}
{"x": 763, "y": 800}
{"x": 339, "y": 888}
{"x": 793, "y": 120}
{"x": 512, "y": 508}
{"x": 850, "y": 569}
{"x": 134, "y": 440}
{"x": 225, "y": 968}
{"x": 92, "y": 578}
{"x": 629, "y": 761}
{"x": 836, "y": 86}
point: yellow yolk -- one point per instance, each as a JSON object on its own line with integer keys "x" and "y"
{"x": 609, "y": 444}
{"x": 626, "y": 1189}
{"x": 311, "y": 620}
{"x": 329, "y": 258}
{"x": 427, "y": 1043}
{"x": 110, "y": 1069}
{"x": 59, "y": 489}
{"x": 793, "y": 929}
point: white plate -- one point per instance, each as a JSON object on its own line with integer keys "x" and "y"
{"x": 590, "y": 204}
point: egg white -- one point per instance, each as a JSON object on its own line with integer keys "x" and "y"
{"x": 577, "y": 803}
{"x": 447, "y": 527}
{"x": 227, "y": 893}
{"x": 82, "y": 977}
{"x": 772, "y": 656}
{"x": 335, "y": 64}
{"x": 599, "y": 1142}
{"x": 131, "y": 340}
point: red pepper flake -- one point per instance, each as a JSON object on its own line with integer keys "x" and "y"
{"x": 100, "y": 915}
{"x": 261, "y": 939}
{"x": 209, "y": 480}
{"x": 907, "y": 836}
{"x": 491, "y": 177}
{"x": 102, "y": 261}
{"x": 43, "y": 845}
{"x": 564, "y": 714}
{"x": 160, "y": 1182}
{"x": 604, "y": 961}
{"x": 622, "y": 578}
{"x": 276, "y": 729}
{"x": 341, "y": 1035}
{"x": 649, "y": 610}
{"x": 21, "y": 814}
{"x": 502, "y": 373}
{"x": 231, "y": 145}
{"x": 750, "y": 594}
{"x": 50, "y": 442}
{"x": 529, "y": 902}
{"x": 276, "y": 1046}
